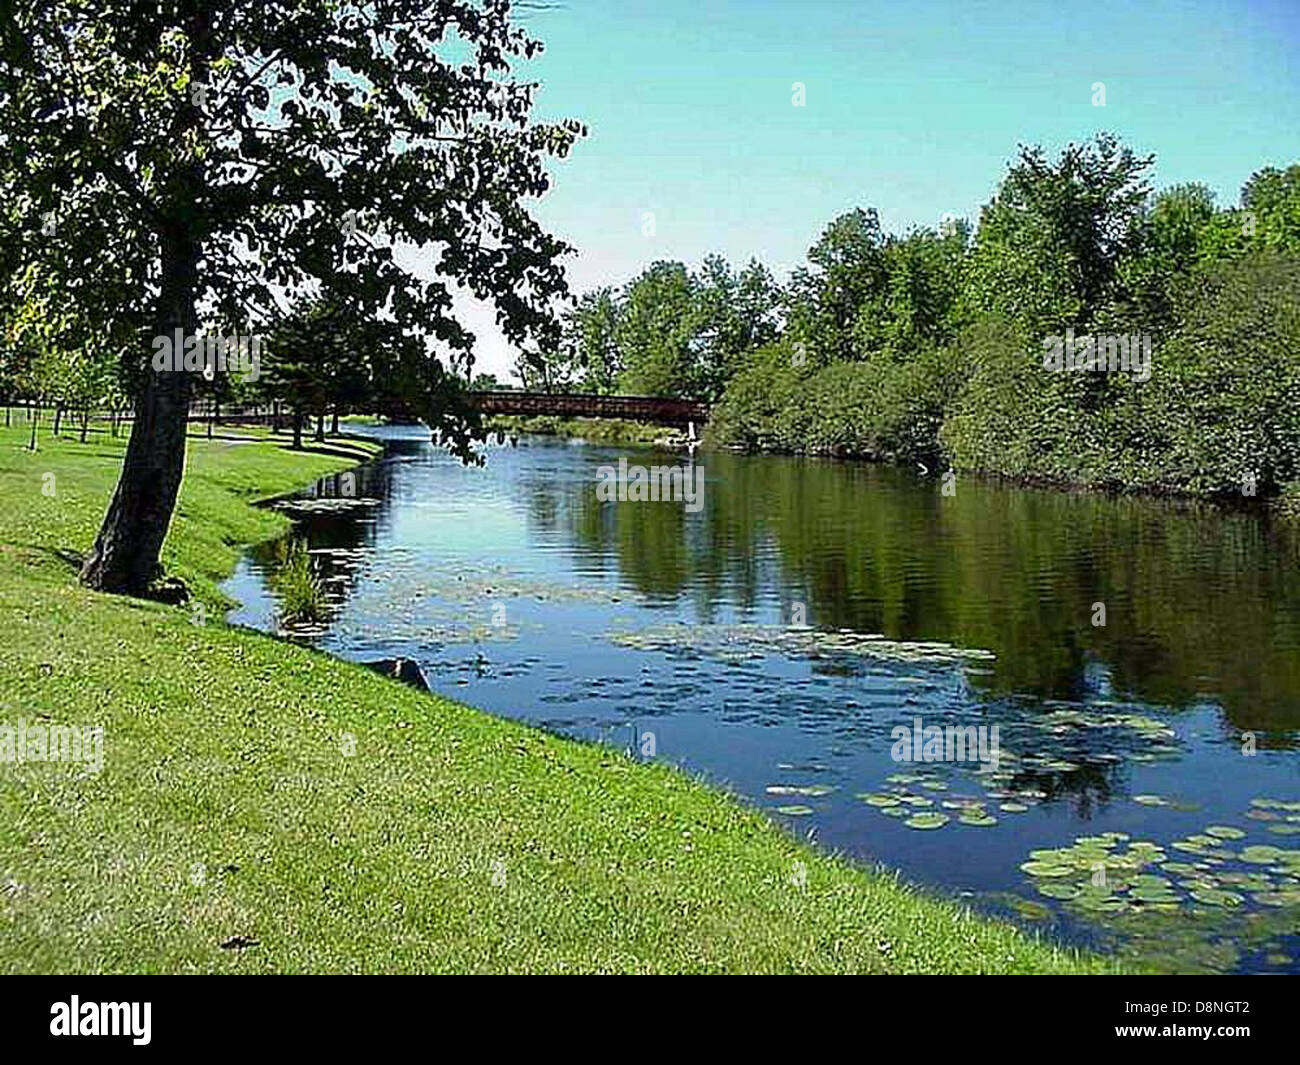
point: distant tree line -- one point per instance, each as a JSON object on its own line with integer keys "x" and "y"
{"x": 670, "y": 332}
{"x": 929, "y": 346}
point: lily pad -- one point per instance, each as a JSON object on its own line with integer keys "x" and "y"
{"x": 1225, "y": 832}
{"x": 1102, "y": 903}
{"x": 1046, "y": 869}
{"x": 1153, "y": 895}
{"x": 794, "y": 811}
{"x": 1261, "y": 855}
{"x": 1215, "y": 897}
{"x": 928, "y": 819}
{"x": 1278, "y": 898}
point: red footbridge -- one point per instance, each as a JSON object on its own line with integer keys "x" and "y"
{"x": 587, "y": 405}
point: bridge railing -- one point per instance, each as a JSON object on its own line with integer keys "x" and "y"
{"x": 591, "y": 405}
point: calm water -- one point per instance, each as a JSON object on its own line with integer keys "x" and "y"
{"x": 732, "y": 642}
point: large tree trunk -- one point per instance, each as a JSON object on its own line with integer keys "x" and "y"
{"x": 297, "y": 428}
{"x": 125, "y": 556}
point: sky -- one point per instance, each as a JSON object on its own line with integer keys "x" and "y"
{"x": 915, "y": 108}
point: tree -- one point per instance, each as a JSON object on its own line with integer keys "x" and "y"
{"x": 919, "y": 309}
{"x": 1268, "y": 218}
{"x": 52, "y": 353}
{"x": 655, "y": 331}
{"x": 590, "y": 346}
{"x": 1173, "y": 238}
{"x": 304, "y": 352}
{"x": 735, "y": 313}
{"x": 1050, "y": 245}
{"x": 222, "y": 153}
{"x": 847, "y": 273}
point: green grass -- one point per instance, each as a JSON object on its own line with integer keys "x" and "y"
{"x": 255, "y": 789}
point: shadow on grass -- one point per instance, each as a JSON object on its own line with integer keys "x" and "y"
{"x": 339, "y": 447}
{"x": 64, "y": 556}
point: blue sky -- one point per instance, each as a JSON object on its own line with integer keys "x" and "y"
{"x": 913, "y": 108}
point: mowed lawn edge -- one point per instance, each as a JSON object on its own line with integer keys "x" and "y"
{"x": 266, "y": 808}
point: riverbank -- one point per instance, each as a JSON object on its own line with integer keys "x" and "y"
{"x": 595, "y": 430}
{"x": 265, "y": 808}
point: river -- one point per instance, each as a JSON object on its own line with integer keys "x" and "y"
{"x": 1139, "y": 659}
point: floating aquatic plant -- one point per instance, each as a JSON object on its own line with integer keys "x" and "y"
{"x": 1216, "y": 897}
{"x": 719, "y": 640}
{"x": 1055, "y": 890}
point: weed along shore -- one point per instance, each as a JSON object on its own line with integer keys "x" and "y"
{"x": 261, "y": 807}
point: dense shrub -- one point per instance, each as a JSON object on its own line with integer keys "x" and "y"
{"x": 875, "y": 410}
{"x": 1222, "y": 403}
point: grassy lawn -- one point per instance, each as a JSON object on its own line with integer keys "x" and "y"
{"x": 347, "y": 823}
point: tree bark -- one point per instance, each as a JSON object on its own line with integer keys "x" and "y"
{"x": 334, "y": 425}
{"x": 297, "y": 428}
{"x": 125, "y": 556}
{"x": 320, "y": 428}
